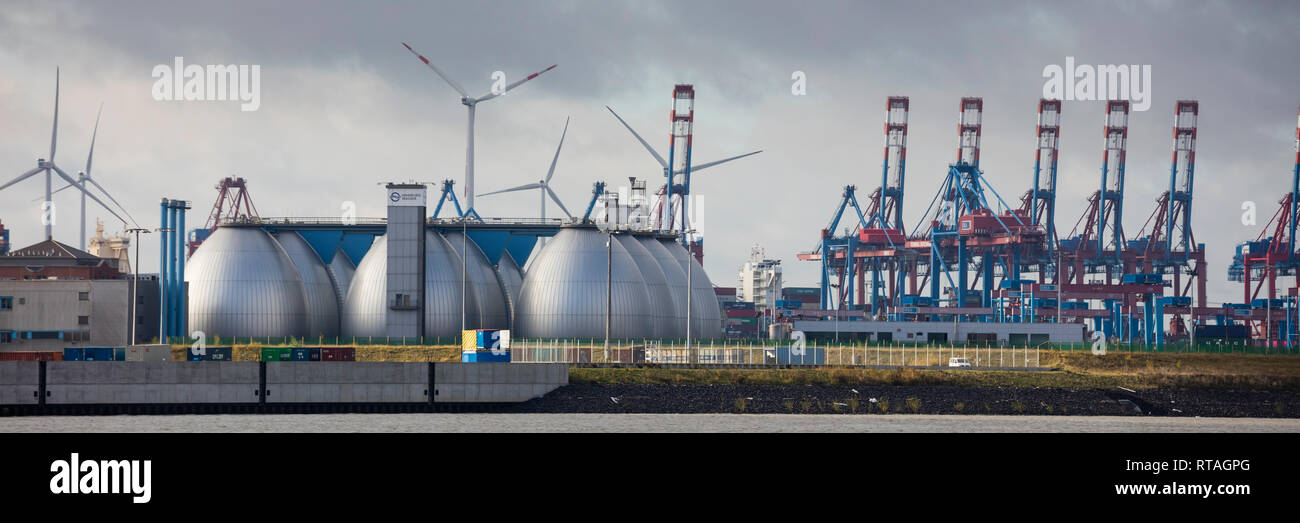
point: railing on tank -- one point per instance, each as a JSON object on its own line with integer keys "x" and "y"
{"x": 299, "y": 220}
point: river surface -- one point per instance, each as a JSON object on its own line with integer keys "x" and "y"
{"x": 637, "y": 423}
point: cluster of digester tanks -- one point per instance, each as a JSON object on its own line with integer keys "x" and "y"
{"x": 247, "y": 282}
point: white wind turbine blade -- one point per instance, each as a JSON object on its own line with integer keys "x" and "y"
{"x": 658, "y": 158}
{"x": 54, "y": 134}
{"x": 703, "y": 166}
{"x": 490, "y": 96}
{"x": 558, "y": 202}
{"x": 88, "y": 193}
{"x": 444, "y": 76}
{"x": 110, "y": 197}
{"x": 551, "y": 171}
{"x": 22, "y": 177}
{"x": 39, "y": 198}
{"x": 512, "y": 189}
{"x": 91, "y": 156}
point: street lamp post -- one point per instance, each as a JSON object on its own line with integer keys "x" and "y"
{"x": 135, "y": 283}
{"x": 464, "y": 252}
{"x": 690, "y": 298}
{"x": 609, "y": 286}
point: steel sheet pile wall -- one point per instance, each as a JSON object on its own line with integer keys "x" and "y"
{"x": 295, "y": 382}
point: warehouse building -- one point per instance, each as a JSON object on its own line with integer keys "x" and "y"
{"x": 54, "y": 296}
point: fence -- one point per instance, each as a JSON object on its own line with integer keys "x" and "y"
{"x": 1210, "y": 346}
{"x": 757, "y": 354}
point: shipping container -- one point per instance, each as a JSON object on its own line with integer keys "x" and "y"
{"x": 738, "y": 305}
{"x": 724, "y": 291}
{"x": 912, "y": 300}
{"x": 74, "y": 354}
{"x": 1222, "y": 331}
{"x": 119, "y": 353}
{"x": 1178, "y": 301}
{"x": 306, "y": 354}
{"x": 95, "y": 354}
{"x": 277, "y": 354}
{"x": 31, "y": 355}
{"x": 211, "y": 354}
{"x": 485, "y": 356}
{"x": 801, "y": 291}
{"x": 149, "y": 353}
{"x": 338, "y": 354}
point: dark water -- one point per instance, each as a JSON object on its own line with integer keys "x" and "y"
{"x": 637, "y": 423}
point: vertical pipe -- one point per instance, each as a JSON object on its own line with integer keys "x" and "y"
{"x": 172, "y": 299}
{"x": 182, "y": 301}
{"x": 162, "y": 271}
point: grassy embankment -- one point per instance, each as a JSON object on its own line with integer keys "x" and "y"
{"x": 1076, "y": 370}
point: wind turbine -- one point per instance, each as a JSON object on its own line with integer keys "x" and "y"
{"x": 668, "y": 173}
{"x": 470, "y": 103}
{"x": 48, "y": 167}
{"x": 84, "y": 176}
{"x": 544, "y": 184}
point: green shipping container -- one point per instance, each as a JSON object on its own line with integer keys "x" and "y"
{"x": 277, "y": 354}
{"x": 742, "y": 321}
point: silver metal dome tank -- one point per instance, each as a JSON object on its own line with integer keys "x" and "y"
{"x": 365, "y": 310}
{"x": 493, "y": 308}
{"x": 322, "y": 300}
{"x": 706, "y": 315}
{"x": 563, "y": 295}
{"x": 675, "y": 278}
{"x": 512, "y": 279}
{"x": 662, "y": 315}
{"x": 242, "y": 283}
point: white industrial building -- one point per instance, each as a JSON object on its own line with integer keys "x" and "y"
{"x": 760, "y": 280}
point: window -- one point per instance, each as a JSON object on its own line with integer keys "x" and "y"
{"x": 83, "y": 296}
{"x": 83, "y": 320}
{"x": 139, "y": 320}
{"x": 6, "y": 336}
{"x": 6, "y": 303}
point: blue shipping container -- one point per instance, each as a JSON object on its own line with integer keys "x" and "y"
{"x": 212, "y": 354}
{"x": 485, "y": 356}
{"x": 306, "y": 354}
{"x": 489, "y": 339}
{"x": 119, "y": 354}
{"x": 74, "y": 354}
{"x": 742, "y": 305}
{"x": 98, "y": 354}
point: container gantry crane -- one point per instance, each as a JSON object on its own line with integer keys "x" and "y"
{"x": 1171, "y": 247}
{"x": 1264, "y": 260}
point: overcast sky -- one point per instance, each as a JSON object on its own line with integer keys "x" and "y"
{"x": 344, "y": 106}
